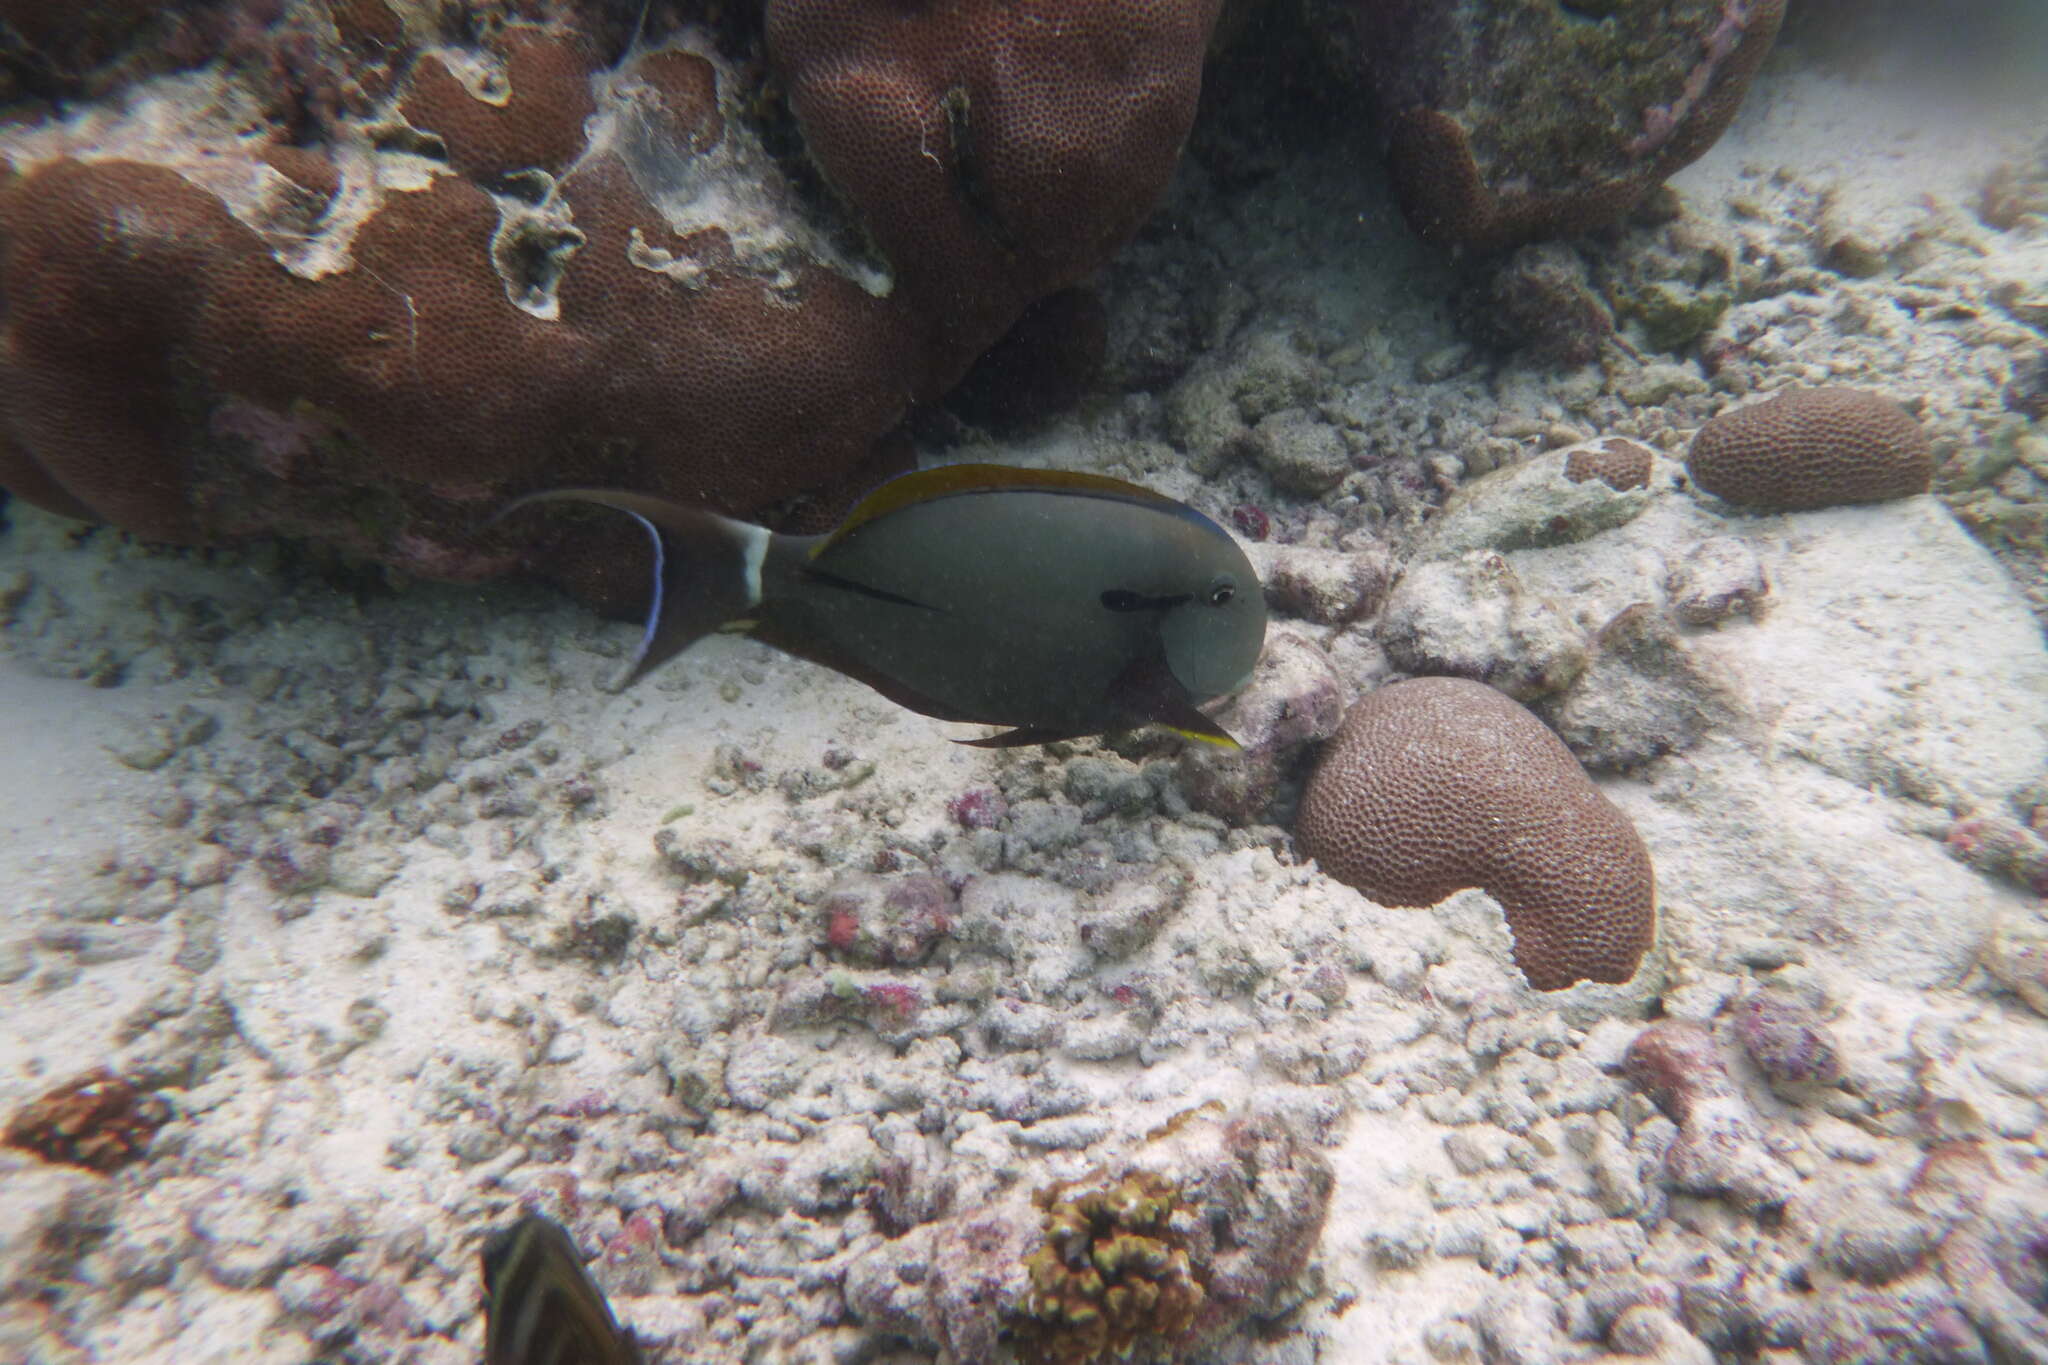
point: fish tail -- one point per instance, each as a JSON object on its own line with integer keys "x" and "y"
{"x": 707, "y": 570}
{"x": 540, "y": 1305}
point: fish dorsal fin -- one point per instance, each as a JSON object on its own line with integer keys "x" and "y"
{"x": 950, "y": 480}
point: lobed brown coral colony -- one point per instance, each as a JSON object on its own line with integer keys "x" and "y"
{"x": 484, "y": 267}
{"x": 1811, "y": 448}
{"x": 1438, "y": 784}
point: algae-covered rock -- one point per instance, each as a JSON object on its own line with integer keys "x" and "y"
{"x": 1509, "y": 123}
{"x": 1534, "y": 503}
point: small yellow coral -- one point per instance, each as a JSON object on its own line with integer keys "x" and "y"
{"x": 1111, "y": 1281}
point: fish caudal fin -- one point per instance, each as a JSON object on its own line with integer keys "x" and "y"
{"x": 707, "y": 570}
{"x": 540, "y": 1304}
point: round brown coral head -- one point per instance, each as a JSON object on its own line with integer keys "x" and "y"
{"x": 1811, "y": 448}
{"x": 1439, "y": 784}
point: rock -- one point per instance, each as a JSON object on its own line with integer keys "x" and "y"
{"x": 1537, "y": 502}
{"x": 1472, "y": 617}
{"x": 1715, "y": 579}
{"x": 1301, "y": 454}
{"x": 1294, "y": 699}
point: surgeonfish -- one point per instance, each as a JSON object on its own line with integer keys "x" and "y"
{"x": 1059, "y": 604}
{"x": 541, "y": 1306}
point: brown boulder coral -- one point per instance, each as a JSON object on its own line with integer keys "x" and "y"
{"x": 1438, "y": 784}
{"x": 1511, "y": 123}
{"x": 491, "y": 264}
{"x": 1810, "y": 448}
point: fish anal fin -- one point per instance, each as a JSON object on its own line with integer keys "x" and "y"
{"x": 806, "y": 644}
{"x": 1022, "y": 736}
{"x": 1150, "y": 694}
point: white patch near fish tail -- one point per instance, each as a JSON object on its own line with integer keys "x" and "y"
{"x": 755, "y": 540}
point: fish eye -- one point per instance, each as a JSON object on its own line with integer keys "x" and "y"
{"x": 1221, "y": 593}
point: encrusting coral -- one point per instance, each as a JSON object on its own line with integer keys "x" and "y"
{"x": 1614, "y": 460}
{"x": 1165, "y": 1249}
{"x": 1438, "y": 784}
{"x": 1112, "y": 1281}
{"x": 1811, "y": 448}
{"x": 99, "y": 1121}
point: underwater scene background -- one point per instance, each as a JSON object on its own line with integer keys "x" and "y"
{"x": 1607, "y": 924}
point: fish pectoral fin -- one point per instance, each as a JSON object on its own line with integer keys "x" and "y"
{"x": 1021, "y": 736}
{"x": 1149, "y": 692}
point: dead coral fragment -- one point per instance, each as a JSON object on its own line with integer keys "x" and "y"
{"x": 1719, "y": 1150}
{"x": 1813, "y": 448}
{"x": 1112, "y": 1281}
{"x": 1438, "y": 784}
{"x": 1787, "y": 1040}
{"x": 99, "y": 1121}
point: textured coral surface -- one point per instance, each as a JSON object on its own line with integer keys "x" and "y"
{"x": 1438, "y": 784}
{"x": 477, "y": 256}
{"x": 1511, "y": 122}
{"x": 1111, "y": 1278}
{"x": 1615, "y": 461}
{"x": 98, "y": 1120}
{"x": 1809, "y": 448}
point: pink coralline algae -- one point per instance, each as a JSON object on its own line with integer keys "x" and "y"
{"x": 978, "y": 808}
{"x": 2002, "y": 846}
{"x": 887, "y": 921}
{"x": 1787, "y": 1039}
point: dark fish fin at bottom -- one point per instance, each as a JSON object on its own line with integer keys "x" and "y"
{"x": 1020, "y": 737}
{"x": 541, "y": 1307}
{"x": 706, "y": 570}
{"x": 1149, "y": 692}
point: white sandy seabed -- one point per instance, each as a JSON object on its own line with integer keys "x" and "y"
{"x": 413, "y": 925}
